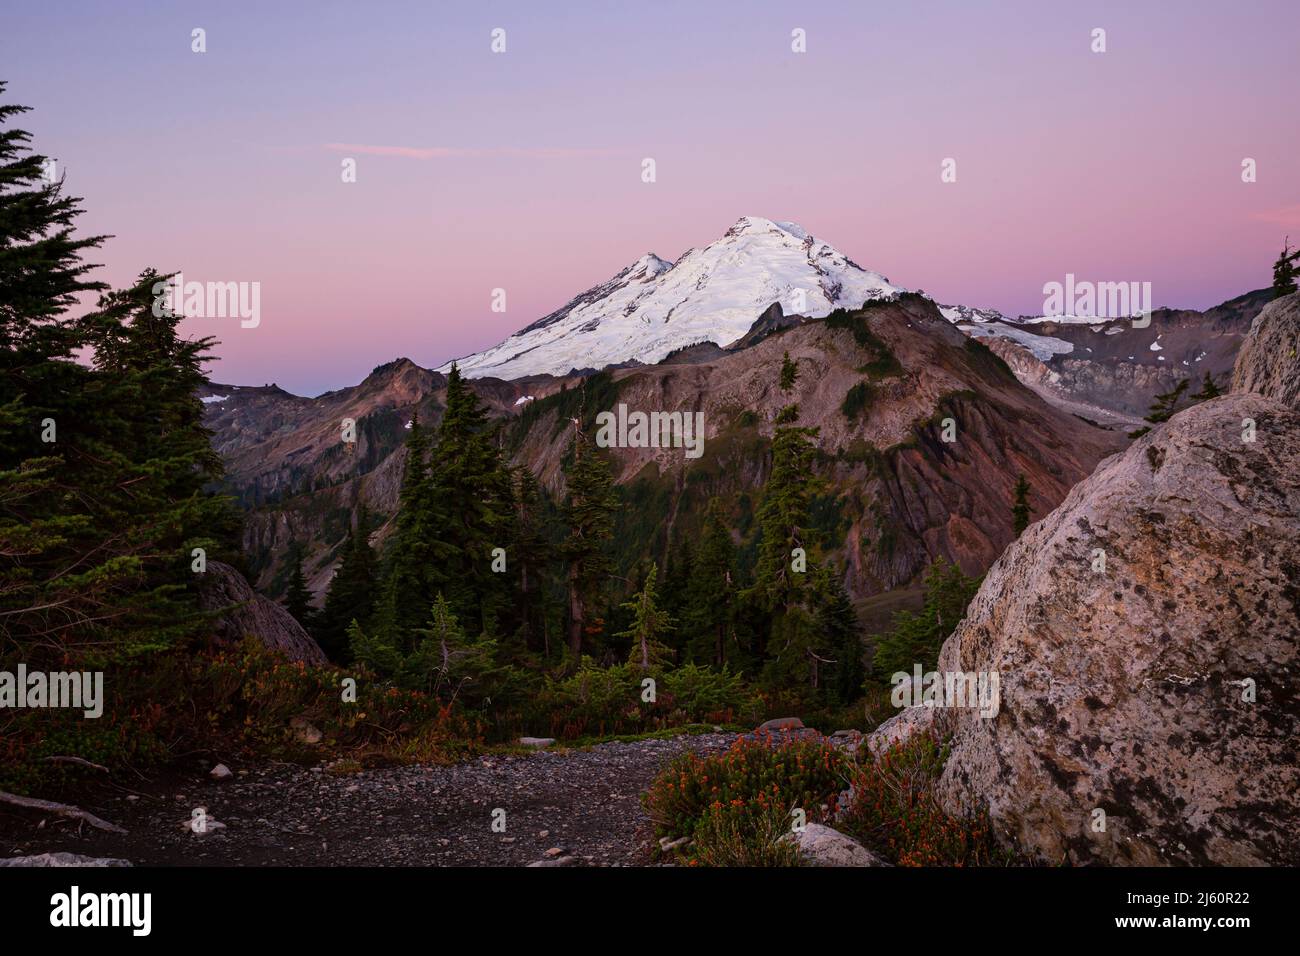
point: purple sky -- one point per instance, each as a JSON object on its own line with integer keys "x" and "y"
{"x": 522, "y": 170}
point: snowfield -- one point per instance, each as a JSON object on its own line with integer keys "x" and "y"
{"x": 713, "y": 294}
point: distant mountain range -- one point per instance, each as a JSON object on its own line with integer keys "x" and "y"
{"x": 769, "y": 270}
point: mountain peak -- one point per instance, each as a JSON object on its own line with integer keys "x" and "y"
{"x": 712, "y": 294}
{"x": 756, "y": 225}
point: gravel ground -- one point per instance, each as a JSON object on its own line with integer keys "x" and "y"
{"x": 583, "y": 803}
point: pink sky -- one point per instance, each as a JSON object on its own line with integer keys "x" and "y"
{"x": 522, "y": 170}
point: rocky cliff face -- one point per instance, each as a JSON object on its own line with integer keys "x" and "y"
{"x": 1150, "y": 706}
{"x": 249, "y": 614}
{"x": 1115, "y": 366}
{"x": 1268, "y": 362}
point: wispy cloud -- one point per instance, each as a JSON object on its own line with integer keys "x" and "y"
{"x": 1281, "y": 216}
{"x": 455, "y": 152}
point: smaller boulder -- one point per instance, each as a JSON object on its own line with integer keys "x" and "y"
{"x": 819, "y": 845}
{"x": 537, "y": 743}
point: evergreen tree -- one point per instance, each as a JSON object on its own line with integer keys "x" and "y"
{"x": 783, "y": 519}
{"x": 650, "y": 624}
{"x": 840, "y": 633}
{"x": 793, "y": 647}
{"x": 589, "y": 507}
{"x": 917, "y": 638}
{"x": 351, "y": 593}
{"x": 416, "y": 562}
{"x": 1020, "y": 509}
{"x": 531, "y": 550}
{"x": 1285, "y": 270}
{"x": 789, "y": 373}
{"x": 471, "y": 486}
{"x": 1163, "y": 408}
{"x": 55, "y": 574}
{"x": 1209, "y": 389}
{"x": 711, "y": 592}
{"x": 297, "y": 596}
{"x": 444, "y": 661}
{"x": 149, "y": 457}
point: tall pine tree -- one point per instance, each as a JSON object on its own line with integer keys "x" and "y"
{"x": 589, "y": 507}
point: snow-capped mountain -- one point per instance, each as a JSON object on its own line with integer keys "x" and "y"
{"x": 713, "y": 294}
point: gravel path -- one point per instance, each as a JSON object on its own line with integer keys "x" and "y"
{"x": 586, "y": 803}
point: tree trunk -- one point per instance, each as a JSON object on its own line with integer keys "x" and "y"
{"x": 577, "y": 615}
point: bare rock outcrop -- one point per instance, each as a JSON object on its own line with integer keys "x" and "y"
{"x": 1267, "y": 363}
{"x": 248, "y": 613}
{"x": 1150, "y": 707}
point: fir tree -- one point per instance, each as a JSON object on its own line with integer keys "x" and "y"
{"x": 297, "y": 596}
{"x": 1285, "y": 270}
{"x": 1209, "y": 389}
{"x": 351, "y": 593}
{"x": 471, "y": 486}
{"x": 589, "y": 507}
{"x": 416, "y": 560}
{"x": 917, "y": 638}
{"x": 711, "y": 592}
{"x": 1163, "y": 408}
{"x": 650, "y": 624}
{"x": 1020, "y": 509}
{"x": 840, "y": 634}
{"x": 789, "y": 373}
{"x": 783, "y": 518}
{"x": 530, "y": 548}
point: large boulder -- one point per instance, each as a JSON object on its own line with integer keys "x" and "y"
{"x": 1162, "y": 689}
{"x": 1268, "y": 363}
{"x": 245, "y": 613}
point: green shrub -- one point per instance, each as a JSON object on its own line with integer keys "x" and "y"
{"x": 606, "y": 701}
{"x": 788, "y": 414}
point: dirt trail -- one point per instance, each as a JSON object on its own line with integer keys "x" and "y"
{"x": 585, "y": 802}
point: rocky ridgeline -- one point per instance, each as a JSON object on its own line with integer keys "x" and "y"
{"x": 1149, "y": 711}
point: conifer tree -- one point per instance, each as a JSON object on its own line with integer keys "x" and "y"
{"x": 470, "y": 484}
{"x": 783, "y": 518}
{"x": 1163, "y": 408}
{"x": 789, "y": 373}
{"x": 1209, "y": 389}
{"x": 530, "y": 549}
{"x": 1285, "y": 270}
{"x": 917, "y": 638}
{"x": 351, "y": 593}
{"x": 1020, "y": 507}
{"x": 711, "y": 591}
{"x": 415, "y": 567}
{"x": 839, "y": 633}
{"x": 589, "y": 507}
{"x": 650, "y": 625}
{"x": 297, "y": 596}
{"x": 150, "y": 459}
